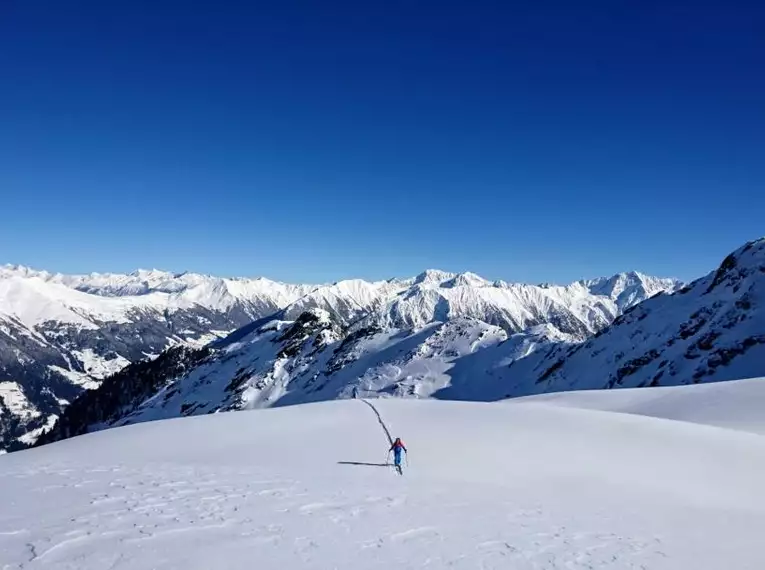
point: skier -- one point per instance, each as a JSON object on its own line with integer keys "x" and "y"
{"x": 396, "y": 448}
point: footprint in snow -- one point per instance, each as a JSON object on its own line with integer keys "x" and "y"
{"x": 415, "y": 534}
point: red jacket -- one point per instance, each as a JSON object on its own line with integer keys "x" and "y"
{"x": 398, "y": 444}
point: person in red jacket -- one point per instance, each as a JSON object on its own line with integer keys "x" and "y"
{"x": 396, "y": 448}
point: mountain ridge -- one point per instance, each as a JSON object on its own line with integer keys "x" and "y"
{"x": 60, "y": 334}
{"x": 709, "y": 330}
{"x": 713, "y": 329}
{"x": 318, "y": 355}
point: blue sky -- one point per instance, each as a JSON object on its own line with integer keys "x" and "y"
{"x": 313, "y": 141}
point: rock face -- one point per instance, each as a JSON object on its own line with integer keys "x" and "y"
{"x": 436, "y": 335}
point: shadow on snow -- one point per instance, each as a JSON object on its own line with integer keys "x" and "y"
{"x": 365, "y": 464}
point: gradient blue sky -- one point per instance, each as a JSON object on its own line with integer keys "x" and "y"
{"x": 313, "y": 141}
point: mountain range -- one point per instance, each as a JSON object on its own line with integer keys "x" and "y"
{"x": 436, "y": 335}
{"x": 61, "y": 335}
{"x": 455, "y": 337}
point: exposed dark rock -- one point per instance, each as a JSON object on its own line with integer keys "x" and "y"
{"x": 632, "y": 366}
{"x": 728, "y": 264}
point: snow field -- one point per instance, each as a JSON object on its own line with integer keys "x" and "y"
{"x": 524, "y": 485}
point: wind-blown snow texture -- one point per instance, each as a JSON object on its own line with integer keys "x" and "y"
{"x": 62, "y": 334}
{"x": 528, "y": 484}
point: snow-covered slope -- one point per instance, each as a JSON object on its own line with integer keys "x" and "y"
{"x": 280, "y": 363}
{"x": 711, "y": 330}
{"x": 738, "y": 406}
{"x": 524, "y": 484}
{"x": 36, "y": 297}
{"x": 60, "y": 334}
{"x": 347, "y": 301}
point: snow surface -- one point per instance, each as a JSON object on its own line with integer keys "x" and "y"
{"x": 80, "y": 379}
{"x": 31, "y": 436}
{"x": 97, "y": 366}
{"x": 742, "y": 408}
{"x": 18, "y": 404}
{"x": 33, "y": 302}
{"x": 529, "y": 484}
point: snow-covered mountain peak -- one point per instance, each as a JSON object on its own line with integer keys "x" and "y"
{"x": 153, "y": 275}
{"x": 433, "y": 277}
{"x": 625, "y": 289}
{"x": 9, "y": 270}
{"x": 167, "y": 290}
{"x": 711, "y": 330}
{"x": 466, "y": 279}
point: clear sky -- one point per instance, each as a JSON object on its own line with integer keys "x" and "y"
{"x": 319, "y": 140}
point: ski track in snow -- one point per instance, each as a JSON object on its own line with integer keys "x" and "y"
{"x": 380, "y": 421}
